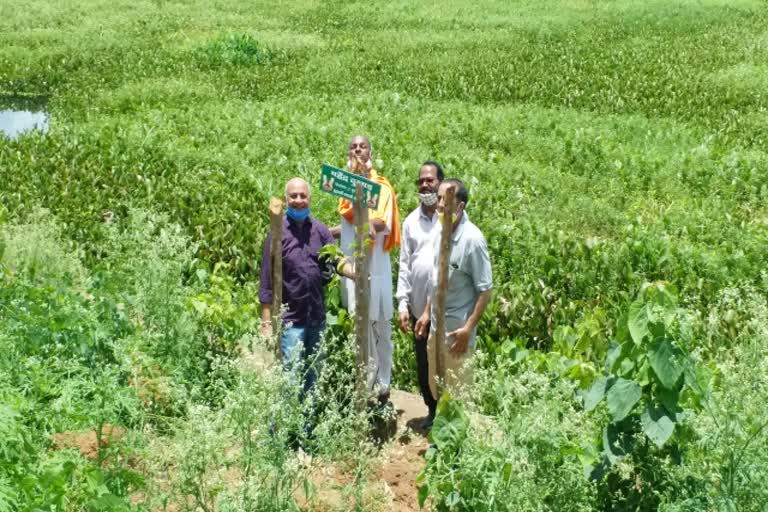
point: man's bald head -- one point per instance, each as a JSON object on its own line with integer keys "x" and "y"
{"x": 296, "y": 183}
{"x": 297, "y": 193}
{"x": 360, "y": 138}
{"x": 360, "y": 149}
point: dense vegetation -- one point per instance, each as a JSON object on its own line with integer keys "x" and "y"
{"x": 616, "y": 158}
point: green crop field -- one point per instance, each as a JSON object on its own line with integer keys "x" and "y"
{"x": 616, "y": 155}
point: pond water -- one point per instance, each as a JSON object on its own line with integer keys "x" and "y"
{"x": 20, "y": 115}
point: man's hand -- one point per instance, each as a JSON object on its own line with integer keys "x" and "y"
{"x": 375, "y": 226}
{"x": 266, "y": 319}
{"x": 460, "y": 341}
{"x": 421, "y": 324}
{"x": 346, "y": 268}
{"x": 405, "y": 321}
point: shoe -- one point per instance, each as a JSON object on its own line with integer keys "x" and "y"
{"x": 426, "y": 423}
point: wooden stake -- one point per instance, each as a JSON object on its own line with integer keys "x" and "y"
{"x": 276, "y": 252}
{"x": 362, "y": 293}
{"x": 442, "y": 285}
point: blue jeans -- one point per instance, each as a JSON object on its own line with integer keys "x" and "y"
{"x": 300, "y": 345}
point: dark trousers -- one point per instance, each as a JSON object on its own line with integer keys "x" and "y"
{"x": 422, "y": 367}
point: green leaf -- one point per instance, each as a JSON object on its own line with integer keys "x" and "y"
{"x": 666, "y": 362}
{"x": 452, "y": 499}
{"x": 423, "y": 495}
{"x": 596, "y": 472}
{"x": 200, "y": 305}
{"x": 581, "y": 372}
{"x": 618, "y": 439}
{"x": 450, "y": 425}
{"x": 669, "y": 398}
{"x": 564, "y": 338}
{"x": 614, "y": 353}
{"x": 595, "y": 393}
{"x": 658, "y": 329}
{"x": 643, "y": 373}
{"x": 622, "y": 329}
{"x": 657, "y": 425}
{"x": 431, "y": 454}
{"x": 638, "y": 321}
{"x": 622, "y": 397}
{"x": 506, "y": 472}
{"x": 626, "y": 367}
{"x": 511, "y": 351}
{"x": 662, "y": 294}
{"x": 698, "y": 380}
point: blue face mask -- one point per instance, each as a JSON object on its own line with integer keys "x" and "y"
{"x": 299, "y": 215}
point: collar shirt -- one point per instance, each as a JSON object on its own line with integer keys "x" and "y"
{"x": 304, "y": 276}
{"x": 469, "y": 274}
{"x": 417, "y": 260}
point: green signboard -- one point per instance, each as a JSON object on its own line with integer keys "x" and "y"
{"x": 343, "y": 184}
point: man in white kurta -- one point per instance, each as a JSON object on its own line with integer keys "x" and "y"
{"x": 385, "y": 234}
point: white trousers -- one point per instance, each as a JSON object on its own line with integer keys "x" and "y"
{"x": 380, "y": 353}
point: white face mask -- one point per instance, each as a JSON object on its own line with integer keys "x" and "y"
{"x": 428, "y": 199}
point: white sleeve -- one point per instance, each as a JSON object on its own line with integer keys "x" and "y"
{"x": 404, "y": 270}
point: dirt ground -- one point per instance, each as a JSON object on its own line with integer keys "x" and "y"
{"x": 406, "y": 457}
{"x": 395, "y": 475}
{"x": 85, "y": 442}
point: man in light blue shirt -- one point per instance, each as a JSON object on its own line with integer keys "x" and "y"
{"x": 468, "y": 293}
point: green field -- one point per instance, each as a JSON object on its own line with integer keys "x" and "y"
{"x": 616, "y": 154}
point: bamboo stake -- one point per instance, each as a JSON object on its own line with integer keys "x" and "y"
{"x": 276, "y": 252}
{"x": 442, "y": 285}
{"x": 362, "y": 293}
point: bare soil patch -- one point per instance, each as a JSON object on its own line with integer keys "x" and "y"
{"x": 86, "y": 442}
{"x": 394, "y": 478}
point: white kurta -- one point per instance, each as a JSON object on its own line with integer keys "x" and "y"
{"x": 381, "y": 309}
{"x": 380, "y": 268}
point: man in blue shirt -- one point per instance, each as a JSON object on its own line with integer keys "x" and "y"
{"x": 469, "y": 285}
{"x": 304, "y": 276}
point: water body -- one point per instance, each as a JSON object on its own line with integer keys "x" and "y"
{"x": 19, "y": 115}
